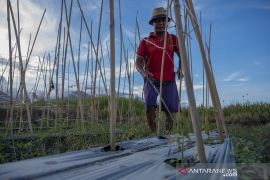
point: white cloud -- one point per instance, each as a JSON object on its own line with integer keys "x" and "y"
{"x": 130, "y": 34}
{"x": 195, "y": 86}
{"x": 232, "y": 76}
{"x": 162, "y": 4}
{"x": 243, "y": 79}
{"x": 30, "y": 16}
{"x": 236, "y": 76}
{"x": 262, "y": 6}
{"x": 257, "y": 63}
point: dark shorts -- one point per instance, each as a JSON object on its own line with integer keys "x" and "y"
{"x": 169, "y": 95}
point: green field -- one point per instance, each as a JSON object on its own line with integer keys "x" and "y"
{"x": 58, "y": 130}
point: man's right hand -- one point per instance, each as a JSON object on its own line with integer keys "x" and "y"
{"x": 147, "y": 75}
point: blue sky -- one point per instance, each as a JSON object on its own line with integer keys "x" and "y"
{"x": 240, "y": 47}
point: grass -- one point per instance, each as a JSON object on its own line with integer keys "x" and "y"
{"x": 251, "y": 144}
{"x": 248, "y": 125}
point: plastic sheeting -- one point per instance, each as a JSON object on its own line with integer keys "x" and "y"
{"x": 140, "y": 159}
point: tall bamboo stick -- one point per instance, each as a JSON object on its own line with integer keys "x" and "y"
{"x": 162, "y": 68}
{"x": 65, "y": 53}
{"x": 212, "y": 86}
{"x": 190, "y": 91}
{"x": 58, "y": 51}
{"x": 120, "y": 44}
{"x": 10, "y": 70}
{"x": 112, "y": 81}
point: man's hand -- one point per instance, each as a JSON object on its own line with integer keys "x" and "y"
{"x": 180, "y": 75}
{"x": 140, "y": 67}
{"x": 147, "y": 75}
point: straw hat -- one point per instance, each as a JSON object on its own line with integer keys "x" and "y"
{"x": 159, "y": 12}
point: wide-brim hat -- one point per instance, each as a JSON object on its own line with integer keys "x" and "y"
{"x": 157, "y": 13}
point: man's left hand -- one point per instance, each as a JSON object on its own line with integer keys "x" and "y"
{"x": 180, "y": 75}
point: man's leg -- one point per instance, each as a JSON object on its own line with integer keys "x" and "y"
{"x": 151, "y": 118}
{"x": 150, "y": 97}
{"x": 169, "y": 121}
{"x": 170, "y": 97}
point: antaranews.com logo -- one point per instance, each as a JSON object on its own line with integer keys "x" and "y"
{"x": 226, "y": 172}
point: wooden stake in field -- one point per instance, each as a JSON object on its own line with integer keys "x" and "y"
{"x": 162, "y": 68}
{"x": 10, "y": 69}
{"x": 190, "y": 91}
{"x": 210, "y": 79}
{"x": 112, "y": 82}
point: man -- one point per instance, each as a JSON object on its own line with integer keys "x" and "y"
{"x": 148, "y": 63}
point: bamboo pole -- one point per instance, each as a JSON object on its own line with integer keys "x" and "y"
{"x": 10, "y": 70}
{"x": 211, "y": 82}
{"x": 112, "y": 81}
{"x": 57, "y": 56}
{"x": 190, "y": 91}
{"x": 86, "y": 70}
{"x": 56, "y": 67}
{"x": 48, "y": 89}
{"x": 120, "y": 44}
{"x": 58, "y": 51}
{"x": 43, "y": 68}
{"x": 63, "y": 66}
{"x": 65, "y": 54}
{"x": 79, "y": 89}
{"x": 92, "y": 79}
{"x": 162, "y": 68}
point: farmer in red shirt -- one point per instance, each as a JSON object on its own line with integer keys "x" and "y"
{"x": 148, "y": 63}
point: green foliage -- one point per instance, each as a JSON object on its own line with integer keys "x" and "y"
{"x": 251, "y": 144}
{"x": 248, "y": 113}
{"x": 250, "y": 138}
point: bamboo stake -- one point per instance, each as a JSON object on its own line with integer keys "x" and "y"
{"x": 86, "y": 70}
{"x": 63, "y": 65}
{"x": 92, "y": 79}
{"x": 190, "y": 91}
{"x": 79, "y": 89}
{"x": 44, "y": 89}
{"x": 112, "y": 81}
{"x": 103, "y": 66}
{"x": 42, "y": 96}
{"x": 10, "y": 70}
{"x": 121, "y": 45}
{"x": 65, "y": 54}
{"x": 128, "y": 78}
{"x": 85, "y": 81}
{"x": 48, "y": 89}
{"x": 58, "y": 51}
{"x": 212, "y": 86}
{"x": 162, "y": 68}
{"x": 68, "y": 90}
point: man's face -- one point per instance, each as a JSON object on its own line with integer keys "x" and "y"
{"x": 159, "y": 24}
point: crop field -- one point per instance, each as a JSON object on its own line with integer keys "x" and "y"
{"x": 248, "y": 124}
{"x": 74, "y": 78}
